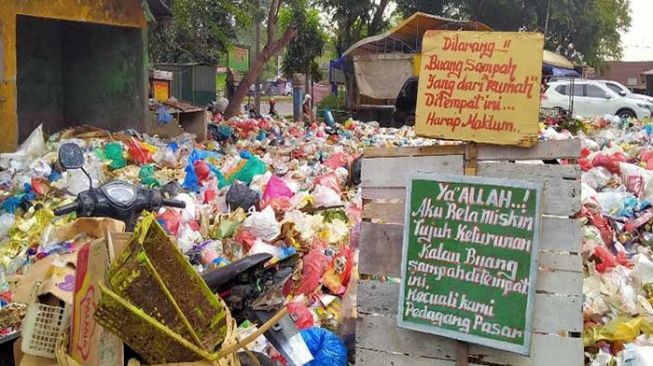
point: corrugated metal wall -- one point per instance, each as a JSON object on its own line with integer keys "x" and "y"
{"x": 192, "y": 83}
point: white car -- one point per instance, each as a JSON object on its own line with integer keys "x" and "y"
{"x": 591, "y": 98}
{"x": 624, "y": 91}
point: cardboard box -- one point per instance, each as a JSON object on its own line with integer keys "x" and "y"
{"x": 91, "y": 344}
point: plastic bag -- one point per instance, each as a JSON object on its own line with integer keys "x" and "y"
{"x": 276, "y": 188}
{"x": 147, "y": 177}
{"x": 620, "y": 329}
{"x": 170, "y": 219}
{"x": 6, "y": 222}
{"x": 326, "y": 197}
{"x": 252, "y": 168}
{"x": 301, "y": 314}
{"x": 327, "y": 349}
{"x": 32, "y": 148}
{"x": 240, "y": 196}
{"x": 329, "y": 181}
{"x": 202, "y": 170}
{"x": 597, "y": 178}
{"x": 336, "y": 161}
{"x": 263, "y": 224}
{"x": 165, "y": 157}
{"x": 138, "y": 153}
{"x": 114, "y": 152}
{"x": 314, "y": 266}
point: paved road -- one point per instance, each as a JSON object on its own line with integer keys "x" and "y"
{"x": 283, "y": 108}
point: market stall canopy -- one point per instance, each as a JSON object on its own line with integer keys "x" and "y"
{"x": 407, "y": 36}
{"x": 556, "y": 60}
{"x": 554, "y": 64}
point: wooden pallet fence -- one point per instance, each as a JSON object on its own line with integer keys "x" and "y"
{"x": 557, "y": 319}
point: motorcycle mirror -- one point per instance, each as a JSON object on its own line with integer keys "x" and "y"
{"x": 71, "y": 156}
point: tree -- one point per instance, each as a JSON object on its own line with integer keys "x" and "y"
{"x": 587, "y": 31}
{"x": 300, "y": 55}
{"x": 355, "y": 19}
{"x": 199, "y": 30}
{"x": 273, "y": 47}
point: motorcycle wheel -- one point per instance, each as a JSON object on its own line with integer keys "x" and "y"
{"x": 264, "y": 360}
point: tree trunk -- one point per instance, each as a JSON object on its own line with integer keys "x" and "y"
{"x": 271, "y": 49}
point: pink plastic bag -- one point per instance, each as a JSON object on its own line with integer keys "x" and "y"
{"x": 276, "y": 188}
{"x": 330, "y": 181}
{"x": 336, "y": 161}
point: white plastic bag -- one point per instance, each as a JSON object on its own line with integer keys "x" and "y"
{"x": 30, "y": 149}
{"x": 263, "y": 225}
{"x": 326, "y": 197}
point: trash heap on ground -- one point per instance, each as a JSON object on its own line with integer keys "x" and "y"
{"x": 617, "y": 193}
{"x": 258, "y": 186}
{"x": 280, "y": 188}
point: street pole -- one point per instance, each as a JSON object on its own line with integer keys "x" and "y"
{"x": 257, "y": 87}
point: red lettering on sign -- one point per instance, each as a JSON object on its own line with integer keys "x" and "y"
{"x": 87, "y": 323}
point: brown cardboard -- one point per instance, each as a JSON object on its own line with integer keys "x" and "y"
{"x": 94, "y": 226}
{"x": 57, "y": 275}
{"x": 90, "y": 343}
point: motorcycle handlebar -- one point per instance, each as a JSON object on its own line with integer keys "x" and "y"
{"x": 173, "y": 203}
{"x": 65, "y": 209}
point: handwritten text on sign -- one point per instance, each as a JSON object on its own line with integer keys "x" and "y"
{"x": 469, "y": 259}
{"x": 480, "y": 86}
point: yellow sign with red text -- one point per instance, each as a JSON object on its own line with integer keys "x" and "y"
{"x": 480, "y": 86}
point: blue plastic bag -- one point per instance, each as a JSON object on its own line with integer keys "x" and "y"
{"x": 327, "y": 349}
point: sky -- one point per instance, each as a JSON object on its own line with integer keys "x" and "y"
{"x": 638, "y": 41}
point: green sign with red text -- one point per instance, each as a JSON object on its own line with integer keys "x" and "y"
{"x": 470, "y": 259}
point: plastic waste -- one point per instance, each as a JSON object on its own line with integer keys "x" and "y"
{"x": 165, "y": 157}
{"x": 147, "y": 176}
{"x": 329, "y": 181}
{"x": 263, "y": 224}
{"x": 6, "y": 222}
{"x": 32, "y": 148}
{"x": 139, "y": 153}
{"x": 300, "y": 313}
{"x": 241, "y": 196}
{"x": 115, "y": 153}
{"x": 252, "y": 168}
{"x": 314, "y": 266}
{"x": 326, "y": 197}
{"x": 327, "y": 349}
{"x": 276, "y": 188}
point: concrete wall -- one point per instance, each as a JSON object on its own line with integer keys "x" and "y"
{"x": 104, "y": 75}
{"x": 72, "y": 73}
{"x": 39, "y": 80}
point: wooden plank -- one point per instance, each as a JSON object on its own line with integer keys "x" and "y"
{"x": 381, "y": 244}
{"x": 381, "y": 334}
{"x": 545, "y": 173}
{"x": 384, "y": 193}
{"x": 560, "y": 262}
{"x": 560, "y": 282}
{"x": 565, "y": 149}
{"x": 366, "y": 357}
{"x": 376, "y": 152}
{"x": 394, "y": 172}
{"x": 553, "y": 314}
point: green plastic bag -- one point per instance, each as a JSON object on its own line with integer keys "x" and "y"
{"x": 252, "y": 168}
{"x": 114, "y": 152}
{"x": 146, "y": 175}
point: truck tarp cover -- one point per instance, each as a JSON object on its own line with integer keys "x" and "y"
{"x": 382, "y": 76}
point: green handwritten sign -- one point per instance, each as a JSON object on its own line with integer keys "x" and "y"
{"x": 470, "y": 259}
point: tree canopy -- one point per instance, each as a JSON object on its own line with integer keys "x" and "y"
{"x": 199, "y": 30}
{"x": 587, "y": 31}
{"x": 309, "y": 44}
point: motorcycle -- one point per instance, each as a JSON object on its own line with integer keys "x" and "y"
{"x": 251, "y": 289}
{"x": 117, "y": 199}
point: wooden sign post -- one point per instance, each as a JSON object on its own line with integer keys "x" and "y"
{"x": 480, "y": 86}
{"x": 557, "y": 302}
{"x": 470, "y": 259}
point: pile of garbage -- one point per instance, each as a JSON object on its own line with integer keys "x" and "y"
{"x": 617, "y": 212}
{"x": 258, "y": 186}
